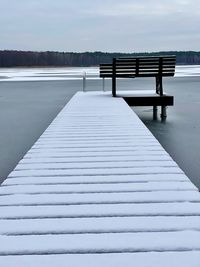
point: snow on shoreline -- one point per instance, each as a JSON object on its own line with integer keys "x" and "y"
{"x": 73, "y": 73}
{"x": 47, "y": 74}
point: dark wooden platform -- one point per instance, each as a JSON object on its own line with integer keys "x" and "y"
{"x": 165, "y": 100}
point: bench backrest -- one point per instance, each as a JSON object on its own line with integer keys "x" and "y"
{"x": 132, "y": 67}
{"x": 123, "y": 69}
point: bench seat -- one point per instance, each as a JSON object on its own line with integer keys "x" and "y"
{"x": 137, "y": 93}
{"x": 145, "y": 98}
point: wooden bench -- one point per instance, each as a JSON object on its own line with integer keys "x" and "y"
{"x": 136, "y": 67}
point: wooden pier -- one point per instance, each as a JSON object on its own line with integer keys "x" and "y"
{"x": 97, "y": 189}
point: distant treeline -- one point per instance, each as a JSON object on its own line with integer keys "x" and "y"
{"x": 12, "y": 58}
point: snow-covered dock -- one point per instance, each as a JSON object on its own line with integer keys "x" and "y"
{"x": 97, "y": 189}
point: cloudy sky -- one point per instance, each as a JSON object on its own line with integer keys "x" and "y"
{"x": 100, "y": 25}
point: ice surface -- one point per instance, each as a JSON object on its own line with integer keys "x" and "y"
{"x": 74, "y": 73}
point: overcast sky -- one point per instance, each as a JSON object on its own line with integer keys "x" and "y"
{"x": 100, "y": 25}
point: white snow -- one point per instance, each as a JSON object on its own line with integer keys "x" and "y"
{"x": 100, "y": 243}
{"x": 99, "y": 225}
{"x": 73, "y": 73}
{"x": 47, "y": 74}
{"x": 97, "y": 189}
{"x": 187, "y": 71}
{"x": 143, "y": 259}
{"x": 99, "y": 179}
{"x": 144, "y": 210}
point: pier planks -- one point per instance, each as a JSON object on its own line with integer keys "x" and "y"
{"x": 97, "y": 189}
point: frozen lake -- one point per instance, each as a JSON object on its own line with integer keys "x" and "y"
{"x": 66, "y": 73}
{"x": 34, "y": 96}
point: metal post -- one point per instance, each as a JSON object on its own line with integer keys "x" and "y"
{"x": 114, "y": 77}
{"x": 103, "y": 84}
{"x": 84, "y": 81}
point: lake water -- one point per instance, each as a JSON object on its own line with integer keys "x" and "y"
{"x": 31, "y": 98}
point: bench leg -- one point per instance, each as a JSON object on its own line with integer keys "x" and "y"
{"x": 163, "y": 114}
{"x": 155, "y": 112}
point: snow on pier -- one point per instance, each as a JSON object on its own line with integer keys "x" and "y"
{"x": 97, "y": 189}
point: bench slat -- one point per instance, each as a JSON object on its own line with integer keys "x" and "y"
{"x": 154, "y": 71}
{"x": 148, "y": 58}
{"x": 150, "y": 75}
